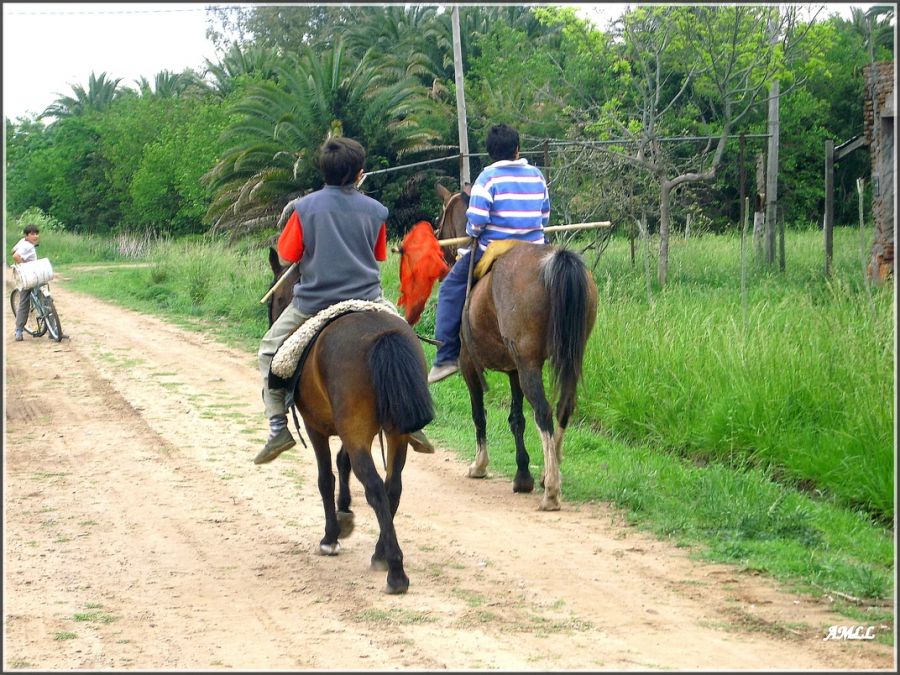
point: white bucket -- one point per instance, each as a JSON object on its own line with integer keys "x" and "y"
{"x": 31, "y": 274}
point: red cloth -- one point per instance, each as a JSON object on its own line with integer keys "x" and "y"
{"x": 421, "y": 264}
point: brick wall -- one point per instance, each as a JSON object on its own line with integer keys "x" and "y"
{"x": 879, "y": 121}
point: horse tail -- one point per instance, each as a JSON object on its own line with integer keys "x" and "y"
{"x": 403, "y": 402}
{"x": 565, "y": 276}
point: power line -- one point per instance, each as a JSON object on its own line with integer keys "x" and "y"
{"x": 202, "y": 8}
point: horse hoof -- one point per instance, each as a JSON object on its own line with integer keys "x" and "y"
{"x": 330, "y": 549}
{"x": 549, "y": 505}
{"x": 345, "y": 520}
{"x": 477, "y": 472}
{"x": 397, "y": 586}
{"x": 378, "y": 565}
{"x": 523, "y": 485}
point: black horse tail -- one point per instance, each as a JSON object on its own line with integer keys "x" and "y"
{"x": 565, "y": 276}
{"x": 403, "y": 402}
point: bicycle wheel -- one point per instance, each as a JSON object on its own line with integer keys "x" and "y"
{"x": 54, "y": 327}
{"x": 35, "y": 324}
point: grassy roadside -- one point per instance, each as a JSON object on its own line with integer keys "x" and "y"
{"x": 639, "y": 442}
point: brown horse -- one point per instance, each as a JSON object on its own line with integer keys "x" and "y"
{"x": 536, "y": 303}
{"x": 365, "y": 374}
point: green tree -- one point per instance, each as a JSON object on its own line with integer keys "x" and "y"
{"x": 167, "y": 84}
{"x": 99, "y": 96}
{"x": 240, "y": 64}
{"x": 270, "y": 155}
{"x": 27, "y": 174}
{"x": 166, "y": 192}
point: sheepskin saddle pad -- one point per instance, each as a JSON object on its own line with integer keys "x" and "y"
{"x": 286, "y": 359}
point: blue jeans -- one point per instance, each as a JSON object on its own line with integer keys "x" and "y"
{"x": 451, "y": 298}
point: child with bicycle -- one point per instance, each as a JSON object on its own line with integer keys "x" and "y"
{"x": 24, "y": 251}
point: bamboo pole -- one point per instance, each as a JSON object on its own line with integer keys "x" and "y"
{"x": 455, "y": 241}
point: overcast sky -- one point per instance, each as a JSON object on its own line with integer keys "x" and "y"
{"x": 48, "y": 47}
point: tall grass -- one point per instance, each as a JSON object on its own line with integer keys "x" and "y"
{"x": 797, "y": 379}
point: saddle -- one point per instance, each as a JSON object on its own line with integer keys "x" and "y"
{"x": 493, "y": 251}
{"x": 287, "y": 364}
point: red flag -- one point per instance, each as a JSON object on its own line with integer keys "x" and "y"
{"x": 421, "y": 264}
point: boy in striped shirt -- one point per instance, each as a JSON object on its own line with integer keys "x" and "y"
{"x": 509, "y": 200}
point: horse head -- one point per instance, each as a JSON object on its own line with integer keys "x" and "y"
{"x": 452, "y": 222}
{"x": 282, "y": 297}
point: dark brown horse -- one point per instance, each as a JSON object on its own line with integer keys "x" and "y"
{"x": 536, "y": 303}
{"x": 365, "y": 374}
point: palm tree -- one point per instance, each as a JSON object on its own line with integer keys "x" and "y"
{"x": 238, "y": 61}
{"x": 283, "y": 122}
{"x": 100, "y": 94}
{"x": 874, "y": 26}
{"x": 167, "y": 84}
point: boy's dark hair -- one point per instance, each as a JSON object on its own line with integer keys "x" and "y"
{"x": 31, "y": 229}
{"x": 340, "y": 160}
{"x": 502, "y": 142}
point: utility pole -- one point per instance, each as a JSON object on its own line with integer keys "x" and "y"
{"x": 772, "y": 167}
{"x": 464, "y": 175}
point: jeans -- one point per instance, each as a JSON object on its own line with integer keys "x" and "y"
{"x": 276, "y": 400}
{"x": 451, "y": 298}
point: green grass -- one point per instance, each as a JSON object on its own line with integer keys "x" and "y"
{"x": 752, "y": 422}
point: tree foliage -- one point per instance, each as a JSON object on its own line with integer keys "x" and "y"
{"x": 226, "y": 148}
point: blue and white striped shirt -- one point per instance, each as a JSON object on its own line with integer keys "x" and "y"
{"x": 509, "y": 200}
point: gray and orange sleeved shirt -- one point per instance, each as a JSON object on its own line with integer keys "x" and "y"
{"x": 337, "y": 235}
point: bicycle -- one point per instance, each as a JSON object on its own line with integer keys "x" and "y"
{"x": 42, "y": 315}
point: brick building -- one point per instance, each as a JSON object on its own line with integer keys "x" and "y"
{"x": 879, "y": 134}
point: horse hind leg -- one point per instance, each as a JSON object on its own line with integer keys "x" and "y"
{"x": 533, "y": 387}
{"x": 478, "y": 468}
{"x": 377, "y": 497}
{"x": 344, "y": 514}
{"x": 393, "y": 485}
{"x": 329, "y": 544}
{"x": 523, "y": 481}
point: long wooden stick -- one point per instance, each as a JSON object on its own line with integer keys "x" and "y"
{"x": 554, "y": 228}
{"x": 277, "y": 284}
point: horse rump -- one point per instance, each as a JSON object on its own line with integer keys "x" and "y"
{"x": 403, "y": 403}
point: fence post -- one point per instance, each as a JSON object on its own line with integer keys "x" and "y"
{"x": 828, "y": 223}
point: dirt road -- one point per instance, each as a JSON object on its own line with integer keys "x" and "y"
{"x": 139, "y": 535}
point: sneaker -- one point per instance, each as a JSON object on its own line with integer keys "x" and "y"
{"x": 19, "y": 336}
{"x": 438, "y": 373}
{"x": 275, "y": 446}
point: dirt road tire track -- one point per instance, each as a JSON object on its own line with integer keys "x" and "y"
{"x": 139, "y": 535}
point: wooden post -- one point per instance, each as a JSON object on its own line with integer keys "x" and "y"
{"x": 772, "y": 172}
{"x": 464, "y": 175}
{"x": 547, "y": 160}
{"x": 781, "y": 239}
{"x": 759, "y": 208}
{"x": 828, "y": 221}
{"x": 743, "y": 179}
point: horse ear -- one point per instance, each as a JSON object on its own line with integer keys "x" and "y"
{"x": 466, "y": 194}
{"x": 442, "y": 192}
{"x": 274, "y": 262}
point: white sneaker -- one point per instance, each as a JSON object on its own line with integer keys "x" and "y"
{"x": 438, "y": 373}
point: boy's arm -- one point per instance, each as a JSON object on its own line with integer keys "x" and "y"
{"x": 380, "y": 249}
{"x": 479, "y": 212}
{"x": 545, "y": 208}
{"x": 290, "y": 241}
